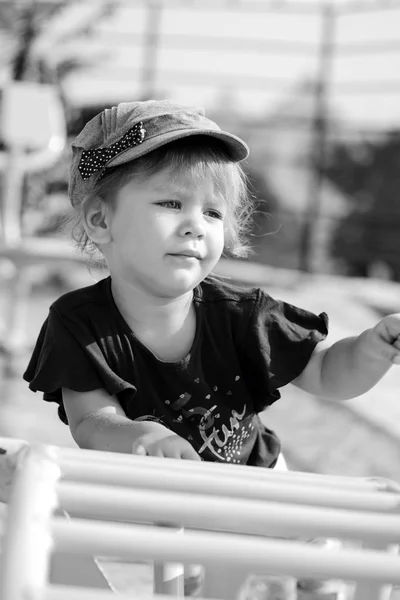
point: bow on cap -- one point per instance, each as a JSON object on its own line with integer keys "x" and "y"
{"x": 95, "y": 160}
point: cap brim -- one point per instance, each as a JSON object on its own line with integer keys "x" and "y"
{"x": 238, "y": 150}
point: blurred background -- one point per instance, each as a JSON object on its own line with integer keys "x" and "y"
{"x": 312, "y": 86}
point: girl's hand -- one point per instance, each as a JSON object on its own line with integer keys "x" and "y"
{"x": 386, "y": 338}
{"x": 164, "y": 443}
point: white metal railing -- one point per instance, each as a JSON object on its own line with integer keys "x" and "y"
{"x": 32, "y": 145}
{"x": 27, "y": 539}
{"x": 228, "y": 513}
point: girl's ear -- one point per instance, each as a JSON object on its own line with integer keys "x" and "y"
{"x": 97, "y": 220}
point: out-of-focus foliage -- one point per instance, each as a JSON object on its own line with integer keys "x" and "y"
{"x": 35, "y": 36}
{"x": 370, "y": 174}
{"x": 38, "y": 41}
{"x": 274, "y": 237}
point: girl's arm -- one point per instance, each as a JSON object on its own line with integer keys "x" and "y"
{"x": 98, "y": 422}
{"x": 352, "y": 366}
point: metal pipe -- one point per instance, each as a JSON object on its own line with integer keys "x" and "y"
{"x": 225, "y": 514}
{"x": 309, "y": 249}
{"x": 27, "y": 542}
{"x": 203, "y": 483}
{"x": 280, "y": 557}
{"x": 64, "y": 592}
{"x": 70, "y": 457}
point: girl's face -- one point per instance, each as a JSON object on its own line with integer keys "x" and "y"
{"x": 166, "y": 232}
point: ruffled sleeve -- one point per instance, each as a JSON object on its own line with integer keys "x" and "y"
{"x": 65, "y": 356}
{"x": 278, "y": 345}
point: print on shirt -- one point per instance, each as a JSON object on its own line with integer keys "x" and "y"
{"x": 226, "y": 442}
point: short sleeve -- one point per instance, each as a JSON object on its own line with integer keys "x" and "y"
{"x": 66, "y": 357}
{"x": 278, "y": 344}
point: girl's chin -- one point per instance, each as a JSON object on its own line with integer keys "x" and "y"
{"x": 180, "y": 284}
{"x": 167, "y": 283}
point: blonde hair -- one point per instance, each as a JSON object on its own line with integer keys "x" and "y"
{"x": 197, "y": 155}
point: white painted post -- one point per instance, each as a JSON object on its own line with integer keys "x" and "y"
{"x": 169, "y": 577}
{"x": 28, "y": 540}
{"x": 371, "y": 590}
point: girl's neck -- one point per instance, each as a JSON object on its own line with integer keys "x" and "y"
{"x": 142, "y": 310}
{"x": 167, "y": 327}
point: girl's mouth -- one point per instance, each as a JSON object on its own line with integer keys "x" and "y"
{"x": 193, "y": 255}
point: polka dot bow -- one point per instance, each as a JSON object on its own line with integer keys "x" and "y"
{"x": 96, "y": 159}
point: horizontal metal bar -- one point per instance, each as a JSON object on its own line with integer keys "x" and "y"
{"x": 275, "y": 556}
{"x": 255, "y": 82}
{"x": 225, "y": 514}
{"x": 248, "y": 45}
{"x": 203, "y": 483}
{"x": 212, "y": 42}
{"x": 67, "y": 592}
{"x": 301, "y": 8}
{"x": 367, "y": 47}
{"x": 69, "y": 458}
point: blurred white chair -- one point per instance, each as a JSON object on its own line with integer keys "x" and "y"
{"x": 32, "y": 125}
{"x": 221, "y": 516}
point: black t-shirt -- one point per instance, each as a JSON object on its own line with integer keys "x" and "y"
{"x": 246, "y": 346}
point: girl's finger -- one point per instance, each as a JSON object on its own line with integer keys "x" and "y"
{"x": 388, "y": 351}
{"x": 140, "y": 450}
{"x": 396, "y": 344}
{"x": 396, "y": 349}
{"x": 190, "y": 454}
{"x": 158, "y": 452}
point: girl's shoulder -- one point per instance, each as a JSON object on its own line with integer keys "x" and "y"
{"x": 85, "y": 298}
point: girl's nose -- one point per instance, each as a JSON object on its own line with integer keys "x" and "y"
{"x": 193, "y": 227}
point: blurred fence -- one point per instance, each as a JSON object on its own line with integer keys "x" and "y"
{"x": 287, "y": 76}
{"x": 312, "y": 86}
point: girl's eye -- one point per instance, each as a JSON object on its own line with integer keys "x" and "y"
{"x": 214, "y": 214}
{"x": 170, "y": 204}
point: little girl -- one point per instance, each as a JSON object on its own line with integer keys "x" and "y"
{"x": 161, "y": 358}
